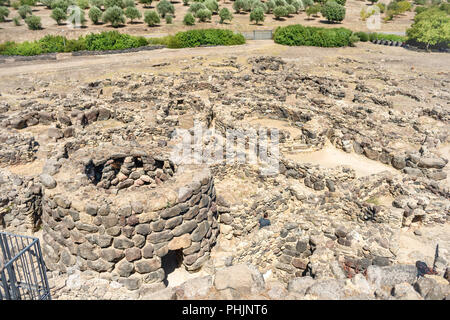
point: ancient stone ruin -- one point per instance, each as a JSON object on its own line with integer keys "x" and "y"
{"x": 129, "y": 210}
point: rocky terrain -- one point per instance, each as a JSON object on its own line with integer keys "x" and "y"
{"x": 361, "y": 195}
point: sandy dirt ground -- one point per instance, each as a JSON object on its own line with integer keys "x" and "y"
{"x": 241, "y": 22}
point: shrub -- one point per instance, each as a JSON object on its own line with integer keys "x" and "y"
{"x": 342, "y": 2}
{"x": 58, "y": 15}
{"x": 128, "y": 3}
{"x": 333, "y": 11}
{"x": 225, "y": 14}
{"x": 132, "y": 13}
{"x": 151, "y": 18}
{"x": 114, "y": 15}
{"x": 280, "y": 11}
{"x": 257, "y": 15}
{"x": 298, "y": 35}
{"x": 430, "y": 27}
{"x": 313, "y": 10}
{"x": 169, "y": 19}
{"x": 419, "y": 9}
{"x": 420, "y": 2}
{"x": 146, "y": 3}
{"x": 204, "y": 15}
{"x": 97, "y": 3}
{"x": 16, "y": 21}
{"x": 15, "y": 4}
{"x": 83, "y": 4}
{"x": 385, "y": 36}
{"x": 95, "y": 14}
{"x": 33, "y": 22}
{"x": 212, "y": 5}
{"x": 362, "y": 36}
{"x": 24, "y": 11}
{"x": 113, "y": 40}
{"x": 189, "y": 19}
{"x": 381, "y": 6}
{"x": 195, "y": 38}
{"x": 186, "y": 2}
{"x": 164, "y": 7}
{"x": 404, "y": 6}
{"x": 4, "y": 12}
{"x": 113, "y": 3}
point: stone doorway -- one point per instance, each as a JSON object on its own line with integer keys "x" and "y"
{"x": 172, "y": 261}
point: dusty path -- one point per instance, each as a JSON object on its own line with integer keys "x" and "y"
{"x": 84, "y": 68}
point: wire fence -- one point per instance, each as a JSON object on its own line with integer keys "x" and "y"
{"x": 22, "y": 270}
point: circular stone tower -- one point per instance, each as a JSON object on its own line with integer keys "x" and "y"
{"x": 124, "y": 211}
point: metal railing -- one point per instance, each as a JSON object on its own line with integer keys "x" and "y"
{"x": 22, "y": 270}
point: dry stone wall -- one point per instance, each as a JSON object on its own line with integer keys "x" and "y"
{"x": 127, "y": 233}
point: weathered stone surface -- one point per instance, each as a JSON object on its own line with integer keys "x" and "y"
{"x": 158, "y": 237}
{"x": 133, "y": 254}
{"x": 244, "y": 278}
{"x": 200, "y": 232}
{"x": 186, "y": 227}
{"x": 147, "y": 266}
{"x": 123, "y": 243}
{"x": 391, "y": 275}
{"x": 180, "y": 242}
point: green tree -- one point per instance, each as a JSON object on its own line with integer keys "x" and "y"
{"x": 114, "y": 15}
{"x": 195, "y": 7}
{"x": 24, "y": 11}
{"x": 430, "y": 27}
{"x": 4, "y": 12}
{"x": 33, "y": 22}
{"x": 95, "y": 14}
{"x": 270, "y": 5}
{"x": 313, "y": 10}
{"x": 257, "y": 15}
{"x": 132, "y": 13}
{"x": 225, "y": 14}
{"x": 189, "y": 19}
{"x": 58, "y": 15}
{"x": 169, "y": 19}
{"x": 333, "y": 11}
{"x": 280, "y": 11}
{"x": 212, "y": 5}
{"x": 151, "y": 18}
{"x": 204, "y": 15}
{"x": 241, "y": 5}
{"x": 164, "y": 7}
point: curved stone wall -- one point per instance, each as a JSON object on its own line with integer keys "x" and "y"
{"x": 127, "y": 232}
